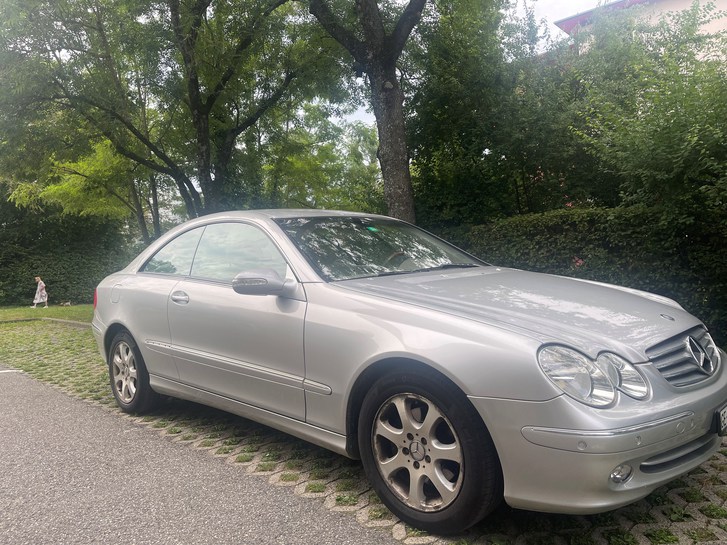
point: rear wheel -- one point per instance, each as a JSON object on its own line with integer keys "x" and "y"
{"x": 129, "y": 377}
{"x": 427, "y": 454}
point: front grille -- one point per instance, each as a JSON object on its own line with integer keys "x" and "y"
{"x": 675, "y": 360}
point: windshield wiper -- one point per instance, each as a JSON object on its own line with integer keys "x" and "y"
{"x": 429, "y": 269}
{"x": 447, "y": 266}
{"x": 389, "y": 273}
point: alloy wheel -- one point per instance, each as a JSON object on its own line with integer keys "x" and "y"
{"x": 124, "y": 372}
{"x": 417, "y": 452}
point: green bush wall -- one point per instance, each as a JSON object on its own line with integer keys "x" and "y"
{"x": 69, "y": 276}
{"x": 635, "y": 247}
{"x": 70, "y": 254}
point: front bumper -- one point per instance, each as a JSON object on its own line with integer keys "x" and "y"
{"x": 558, "y": 455}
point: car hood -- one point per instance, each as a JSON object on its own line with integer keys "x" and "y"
{"x": 588, "y": 315}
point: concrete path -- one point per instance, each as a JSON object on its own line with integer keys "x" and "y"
{"x": 74, "y": 473}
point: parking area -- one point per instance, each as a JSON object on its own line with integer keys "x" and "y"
{"x": 78, "y": 469}
{"x": 72, "y": 473}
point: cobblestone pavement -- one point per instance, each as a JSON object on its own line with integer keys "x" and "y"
{"x": 690, "y": 510}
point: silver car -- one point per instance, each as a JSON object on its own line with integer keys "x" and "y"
{"x": 457, "y": 383}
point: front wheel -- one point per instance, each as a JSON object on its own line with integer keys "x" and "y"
{"x": 427, "y": 453}
{"x": 129, "y": 377}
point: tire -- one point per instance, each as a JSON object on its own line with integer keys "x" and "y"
{"x": 427, "y": 453}
{"x": 129, "y": 377}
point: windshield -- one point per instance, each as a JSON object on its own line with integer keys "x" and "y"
{"x": 342, "y": 248}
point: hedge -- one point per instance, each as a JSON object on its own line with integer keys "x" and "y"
{"x": 634, "y": 247}
{"x": 69, "y": 277}
{"x": 70, "y": 254}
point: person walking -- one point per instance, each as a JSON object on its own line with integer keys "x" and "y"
{"x": 41, "y": 296}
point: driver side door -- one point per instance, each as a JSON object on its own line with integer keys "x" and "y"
{"x": 244, "y": 347}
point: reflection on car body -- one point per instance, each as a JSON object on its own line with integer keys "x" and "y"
{"x": 456, "y": 382}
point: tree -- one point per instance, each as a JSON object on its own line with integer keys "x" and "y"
{"x": 163, "y": 81}
{"x": 376, "y": 50}
{"x": 220, "y": 34}
{"x": 491, "y": 118}
{"x": 102, "y": 184}
{"x": 657, "y": 109}
{"x": 452, "y": 77}
{"x": 535, "y": 143}
{"x": 318, "y": 162}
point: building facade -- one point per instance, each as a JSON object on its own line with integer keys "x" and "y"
{"x": 651, "y": 9}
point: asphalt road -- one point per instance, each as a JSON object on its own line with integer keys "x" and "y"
{"x": 74, "y": 473}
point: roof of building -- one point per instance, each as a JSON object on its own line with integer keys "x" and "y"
{"x": 569, "y": 24}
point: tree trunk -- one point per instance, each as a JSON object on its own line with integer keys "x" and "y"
{"x": 155, "y": 221}
{"x": 139, "y": 213}
{"x": 377, "y": 54}
{"x": 211, "y": 187}
{"x": 387, "y": 100}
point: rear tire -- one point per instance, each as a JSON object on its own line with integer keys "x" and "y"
{"x": 129, "y": 377}
{"x": 427, "y": 453}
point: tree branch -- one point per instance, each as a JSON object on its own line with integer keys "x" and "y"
{"x": 411, "y": 15}
{"x": 369, "y": 17}
{"x": 265, "y": 105}
{"x": 244, "y": 42}
{"x": 186, "y": 189}
{"x": 186, "y": 42}
{"x": 320, "y": 10}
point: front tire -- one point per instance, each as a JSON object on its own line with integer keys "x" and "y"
{"x": 427, "y": 453}
{"x": 129, "y": 377}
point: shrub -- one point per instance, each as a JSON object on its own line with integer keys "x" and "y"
{"x": 70, "y": 254}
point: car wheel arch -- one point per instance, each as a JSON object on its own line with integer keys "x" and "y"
{"x": 111, "y": 332}
{"x": 367, "y": 378}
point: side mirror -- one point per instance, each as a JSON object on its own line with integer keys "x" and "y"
{"x": 259, "y": 282}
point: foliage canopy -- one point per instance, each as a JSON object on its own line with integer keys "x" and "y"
{"x": 129, "y": 116}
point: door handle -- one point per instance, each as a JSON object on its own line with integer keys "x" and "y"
{"x": 180, "y": 297}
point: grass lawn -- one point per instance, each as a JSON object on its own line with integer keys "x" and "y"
{"x": 53, "y": 351}
{"x": 78, "y": 313}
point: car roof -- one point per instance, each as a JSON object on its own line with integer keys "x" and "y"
{"x": 282, "y": 213}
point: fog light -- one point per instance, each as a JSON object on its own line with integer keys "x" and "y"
{"x": 622, "y": 473}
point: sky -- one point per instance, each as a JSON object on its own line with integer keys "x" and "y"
{"x": 555, "y": 10}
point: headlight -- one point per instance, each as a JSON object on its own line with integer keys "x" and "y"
{"x": 623, "y": 375}
{"x": 577, "y": 376}
{"x": 591, "y": 382}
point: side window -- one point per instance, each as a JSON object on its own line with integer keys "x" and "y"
{"x": 176, "y": 256}
{"x": 227, "y": 249}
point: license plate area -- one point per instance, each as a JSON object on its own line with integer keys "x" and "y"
{"x": 721, "y": 420}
